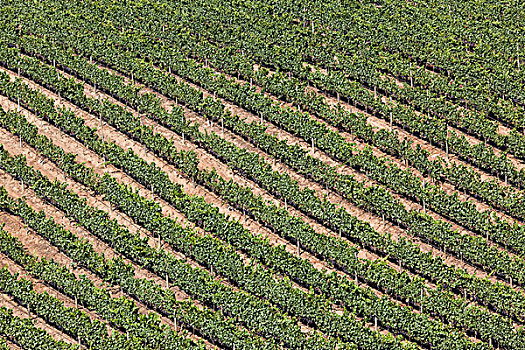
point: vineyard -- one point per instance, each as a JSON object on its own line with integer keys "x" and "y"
{"x": 315, "y": 175}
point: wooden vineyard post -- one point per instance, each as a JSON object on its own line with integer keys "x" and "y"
{"x": 424, "y": 208}
{"x": 446, "y": 141}
{"x": 411, "y": 82}
{"x": 355, "y": 273}
{"x": 405, "y": 153}
{"x": 65, "y": 173}
{"x": 101, "y": 131}
{"x": 421, "y": 301}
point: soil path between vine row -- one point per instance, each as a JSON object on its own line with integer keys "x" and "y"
{"x": 21, "y": 312}
{"x": 125, "y": 142}
{"x": 376, "y": 222}
{"x": 11, "y": 143}
{"x": 166, "y": 103}
{"x": 103, "y": 123}
{"x": 92, "y": 160}
{"x": 378, "y": 123}
{"x": 42, "y": 248}
{"x": 472, "y": 139}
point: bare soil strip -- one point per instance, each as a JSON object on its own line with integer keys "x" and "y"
{"x": 17, "y": 190}
{"x": 21, "y": 311}
{"x": 374, "y": 220}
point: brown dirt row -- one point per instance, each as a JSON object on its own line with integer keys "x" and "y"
{"x": 374, "y": 220}
{"x": 21, "y": 311}
{"x": 446, "y": 186}
{"x": 251, "y": 225}
{"x": 42, "y": 248}
{"x": 480, "y": 206}
{"x": 16, "y": 190}
{"x": 118, "y": 138}
{"x": 503, "y": 130}
{"x": 35, "y": 243}
{"x": 449, "y": 188}
{"x": 211, "y": 162}
{"x": 167, "y": 103}
{"x": 208, "y": 163}
{"x": 378, "y": 123}
{"x": 93, "y": 92}
{"x": 435, "y": 151}
{"x": 188, "y": 187}
{"x": 12, "y": 345}
{"x": 101, "y": 95}
{"x": 92, "y": 160}
{"x": 447, "y": 257}
{"x": 283, "y": 135}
